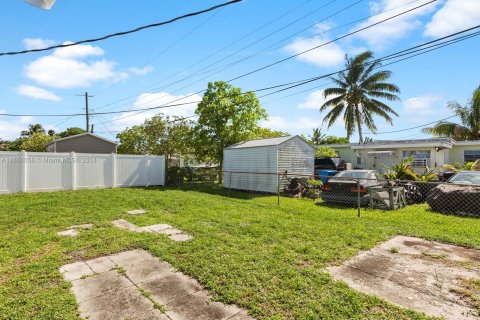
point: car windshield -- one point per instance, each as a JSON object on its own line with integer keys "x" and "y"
{"x": 471, "y": 177}
{"x": 353, "y": 174}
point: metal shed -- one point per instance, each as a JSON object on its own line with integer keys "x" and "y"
{"x": 256, "y": 164}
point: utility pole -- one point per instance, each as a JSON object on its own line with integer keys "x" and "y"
{"x": 87, "y": 115}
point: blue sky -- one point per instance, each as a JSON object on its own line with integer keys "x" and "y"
{"x": 137, "y": 70}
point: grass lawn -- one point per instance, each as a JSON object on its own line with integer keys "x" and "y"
{"x": 266, "y": 258}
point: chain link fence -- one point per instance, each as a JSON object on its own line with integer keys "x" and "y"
{"x": 361, "y": 189}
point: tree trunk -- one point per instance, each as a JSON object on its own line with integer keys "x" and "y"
{"x": 359, "y": 125}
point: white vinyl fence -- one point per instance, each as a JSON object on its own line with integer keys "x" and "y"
{"x": 42, "y": 171}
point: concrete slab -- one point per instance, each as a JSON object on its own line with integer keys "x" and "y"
{"x": 125, "y": 303}
{"x": 135, "y": 212}
{"x": 139, "y": 288}
{"x": 68, "y": 233}
{"x": 173, "y": 233}
{"x": 124, "y": 224}
{"x": 101, "y": 264}
{"x": 180, "y": 237}
{"x": 74, "y": 271}
{"x": 198, "y": 306}
{"x": 416, "y": 274}
{"x": 98, "y": 285}
{"x": 148, "y": 270}
{"x": 167, "y": 289}
{"x": 85, "y": 226}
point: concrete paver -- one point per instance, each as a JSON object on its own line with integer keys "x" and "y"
{"x": 135, "y": 212}
{"x": 414, "y": 273}
{"x": 173, "y": 233}
{"x": 68, "y": 233}
{"x": 101, "y": 264}
{"x": 138, "y": 285}
{"x": 76, "y": 270}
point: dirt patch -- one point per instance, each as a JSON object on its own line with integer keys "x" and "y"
{"x": 418, "y": 274}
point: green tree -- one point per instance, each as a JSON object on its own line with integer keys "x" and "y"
{"x": 264, "y": 133}
{"x": 469, "y": 115}
{"x": 334, "y": 140}
{"x": 37, "y": 142}
{"x": 325, "y": 152}
{"x": 160, "y": 135}
{"x": 72, "y": 131}
{"x": 226, "y": 116}
{"x": 357, "y": 93}
{"x": 32, "y": 129}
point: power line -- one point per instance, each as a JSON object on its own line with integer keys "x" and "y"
{"x": 316, "y": 47}
{"x": 431, "y": 45}
{"x": 416, "y": 127}
{"x": 117, "y": 34}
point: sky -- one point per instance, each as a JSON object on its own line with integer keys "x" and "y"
{"x": 161, "y": 65}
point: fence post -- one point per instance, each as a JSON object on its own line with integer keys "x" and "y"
{"x": 23, "y": 171}
{"x": 358, "y": 197}
{"x": 114, "y": 170}
{"x": 73, "y": 170}
{"x": 147, "y": 164}
{"x": 278, "y": 188}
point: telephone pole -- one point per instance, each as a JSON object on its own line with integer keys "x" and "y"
{"x": 87, "y": 115}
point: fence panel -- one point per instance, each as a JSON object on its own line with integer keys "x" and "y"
{"x": 42, "y": 171}
{"x": 10, "y": 172}
{"x": 93, "y": 170}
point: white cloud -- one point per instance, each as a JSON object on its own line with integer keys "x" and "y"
{"x": 329, "y": 55}
{"x": 65, "y": 69}
{"x": 10, "y": 128}
{"x": 454, "y": 16}
{"x": 386, "y": 33}
{"x": 36, "y": 93}
{"x": 151, "y": 100}
{"x": 314, "y": 100}
{"x": 78, "y": 51}
{"x": 424, "y": 108}
{"x": 37, "y": 43}
{"x": 140, "y": 71}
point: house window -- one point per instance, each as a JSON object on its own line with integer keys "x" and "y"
{"x": 421, "y": 158}
{"x": 471, "y": 155}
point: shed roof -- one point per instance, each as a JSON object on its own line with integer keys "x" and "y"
{"x": 262, "y": 142}
{"x": 81, "y": 135}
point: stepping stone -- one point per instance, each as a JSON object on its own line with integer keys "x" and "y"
{"x": 75, "y": 271}
{"x": 180, "y": 237}
{"x": 135, "y": 212}
{"x": 68, "y": 233}
{"x": 101, "y": 264}
{"x": 173, "y": 233}
{"x": 85, "y": 226}
{"x": 136, "y": 293}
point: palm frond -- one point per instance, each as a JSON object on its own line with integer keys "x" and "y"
{"x": 383, "y": 95}
{"x": 442, "y": 129}
{"x": 332, "y": 103}
{"x": 333, "y": 114}
{"x": 384, "y": 107}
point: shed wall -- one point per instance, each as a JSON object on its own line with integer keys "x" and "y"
{"x": 84, "y": 144}
{"x": 251, "y": 168}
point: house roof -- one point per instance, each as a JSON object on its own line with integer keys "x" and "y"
{"x": 81, "y": 135}
{"x": 262, "y": 142}
{"x": 392, "y": 144}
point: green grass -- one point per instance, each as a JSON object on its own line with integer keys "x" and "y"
{"x": 266, "y": 258}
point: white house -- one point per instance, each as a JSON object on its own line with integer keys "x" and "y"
{"x": 256, "y": 164}
{"x": 433, "y": 153}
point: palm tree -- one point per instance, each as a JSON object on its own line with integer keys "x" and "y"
{"x": 32, "y": 128}
{"x": 317, "y": 136}
{"x": 357, "y": 93}
{"x": 469, "y": 116}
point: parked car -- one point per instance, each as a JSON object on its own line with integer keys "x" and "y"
{"x": 343, "y": 187}
{"x": 466, "y": 177}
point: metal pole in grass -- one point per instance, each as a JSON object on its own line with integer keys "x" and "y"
{"x": 358, "y": 197}
{"x": 278, "y": 188}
